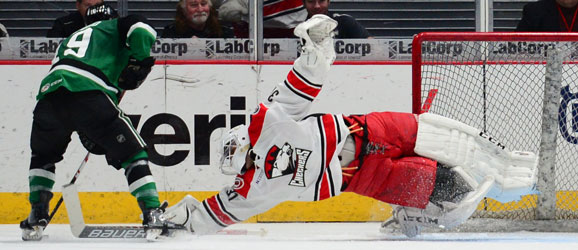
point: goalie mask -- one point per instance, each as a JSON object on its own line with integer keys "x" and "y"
{"x": 100, "y": 12}
{"x": 233, "y": 150}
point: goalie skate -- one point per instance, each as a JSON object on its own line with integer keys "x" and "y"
{"x": 445, "y": 211}
{"x": 394, "y": 226}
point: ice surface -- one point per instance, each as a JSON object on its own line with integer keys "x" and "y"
{"x": 298, "y": 236}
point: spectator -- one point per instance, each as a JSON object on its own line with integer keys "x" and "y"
{"x": 347, "y": 26}
{"x": 3, "y": 31}
{"x": 549, "y": 15}
{"x": 196, "y": 19}
{"x": 66, "y": 25}
{"x": 280, "y": 17}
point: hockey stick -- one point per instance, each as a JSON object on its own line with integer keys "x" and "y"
{"x": 81, "y": 230}
{"x": 72, "y": 181}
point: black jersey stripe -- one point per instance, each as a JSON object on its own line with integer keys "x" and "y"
{"x": 83, "y": 66}
{"x": 337, "y": 128}
{"x": 306, "y": 80}
{"x": 214, "y": 217}
{"x": 320, "y": 177}
{"x": 225, "y": 209}
{"x": 306, "y": 97}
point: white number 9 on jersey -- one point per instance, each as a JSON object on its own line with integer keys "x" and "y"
{"x": 80, "y": 46}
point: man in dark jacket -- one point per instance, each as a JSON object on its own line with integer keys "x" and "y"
{"x": 347, "y": 26}
{"x": 66, "y": 25}
{"x": 549, "y": 15}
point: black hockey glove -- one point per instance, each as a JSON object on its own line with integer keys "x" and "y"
{"x": 89, "y": 145}
{"x": 135, "y": 73}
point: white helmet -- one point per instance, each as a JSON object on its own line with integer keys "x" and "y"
{"x": 233, "y": 150}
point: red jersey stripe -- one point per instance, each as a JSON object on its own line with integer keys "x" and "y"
{"x": 256, "y": 125}
{"x": 272, "y": 9}
{"x": 324, "y": 192}
{"x": 301, "y": 86}
{"x": 330, "y": 137}
{"x": 217, "y": 211}
{"x": 329, "y": 128}
{"x": 243, "y": 182}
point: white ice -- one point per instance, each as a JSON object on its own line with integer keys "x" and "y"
{"x": 298, "y": 236}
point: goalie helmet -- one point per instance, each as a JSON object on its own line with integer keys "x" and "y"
{"x": 233, "y": 150}
{"x": 100, "y": 12}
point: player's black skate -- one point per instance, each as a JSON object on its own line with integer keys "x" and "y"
{"x": 155, "y": 224}
{"x": 33, "y": 226}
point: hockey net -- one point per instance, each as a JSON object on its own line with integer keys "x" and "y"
{"x": 521, "y": 88}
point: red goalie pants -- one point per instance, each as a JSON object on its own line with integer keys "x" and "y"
{"x": 386, "y": 167}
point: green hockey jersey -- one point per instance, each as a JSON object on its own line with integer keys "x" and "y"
{"x": 93, "y": 57}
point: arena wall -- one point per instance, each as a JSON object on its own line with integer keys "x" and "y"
{"x": 191, "y": 102}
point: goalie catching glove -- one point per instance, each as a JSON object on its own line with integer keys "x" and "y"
{"x": 135, "y": 72}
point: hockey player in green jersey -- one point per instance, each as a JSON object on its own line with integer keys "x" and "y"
{"x": 81, "y": 92}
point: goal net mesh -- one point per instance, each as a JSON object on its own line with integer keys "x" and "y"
{"x": 495, "y": 82}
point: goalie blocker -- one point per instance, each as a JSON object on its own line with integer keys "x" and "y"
{"x": 482, "y": 163}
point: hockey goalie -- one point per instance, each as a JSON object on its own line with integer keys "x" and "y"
{"x": 433, "y": 170}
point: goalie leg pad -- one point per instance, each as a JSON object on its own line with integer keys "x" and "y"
{"x": 181, "y": 213}
{"x": 191, "y": 214}
{"x": 456, "y": 144}
{"x": 408, "y": 181}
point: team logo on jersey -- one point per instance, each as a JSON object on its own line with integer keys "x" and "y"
{"x": 279, "y": 161}
{"x": 287, "y": 160}
{"x": 302, "y": 156}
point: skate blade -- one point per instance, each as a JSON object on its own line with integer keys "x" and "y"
{"x": 35, "y": 234}
{"x": 157, "y": 234}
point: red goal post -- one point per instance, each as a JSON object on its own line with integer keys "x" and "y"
{"x": 521, "y": 88}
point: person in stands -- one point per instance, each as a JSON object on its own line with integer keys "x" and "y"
{"x": 549, "y": 16}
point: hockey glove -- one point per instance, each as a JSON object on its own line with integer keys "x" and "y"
{"x": 89, "y": 145}
{"x": 135, "y": 73}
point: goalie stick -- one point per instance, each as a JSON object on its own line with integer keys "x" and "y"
{"x": 80, "y": 230}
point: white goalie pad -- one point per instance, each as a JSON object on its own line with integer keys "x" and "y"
{"x": 189, "y": 213}
{"x": 453, "y": 143}
{"x": 181, "y": 213}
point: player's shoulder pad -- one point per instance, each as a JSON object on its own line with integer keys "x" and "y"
{"x": 125, "y": 24}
